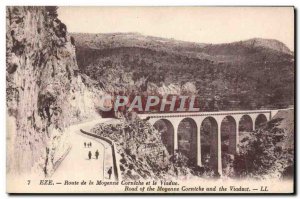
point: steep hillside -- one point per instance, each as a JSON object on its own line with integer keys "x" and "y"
{"x": 45, "y": 92}
{"x": 248, "y": 74}
{"x": 284, "y": 120}
{"x": 143, "y": 154}
{"x": 269, "y": 151}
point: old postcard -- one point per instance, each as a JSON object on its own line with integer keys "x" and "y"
{"x": 150, "y": 100}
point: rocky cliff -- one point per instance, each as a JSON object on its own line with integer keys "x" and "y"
{"x": 45, "y": 92}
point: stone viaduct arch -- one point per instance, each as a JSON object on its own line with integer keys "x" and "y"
{"x": 260, "y": 120}
{"x": 228, "y": 135}
{"x": 187, "y": 138}
{"x": 246, "y": 123}
{"x": 166, "y": 130}
{"x": 209, "y": 143}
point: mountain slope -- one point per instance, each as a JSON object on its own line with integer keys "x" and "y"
{"x": 248, "y": 74}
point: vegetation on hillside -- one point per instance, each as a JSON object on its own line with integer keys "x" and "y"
{"x": 269, "y": 151}
{"x": 249, "y": 74}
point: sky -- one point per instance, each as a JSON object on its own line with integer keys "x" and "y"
{"x": 195, "y": 24}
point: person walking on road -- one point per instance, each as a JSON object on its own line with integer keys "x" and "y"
{"x": 97, "y": 154}
{"x": 90, "y": 144}
{"x": 84, "y": 145}
{"x": 90, "y": 155}
{"x": 109, "y": 172}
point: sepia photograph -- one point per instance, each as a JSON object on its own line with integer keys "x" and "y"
{"x": 150, "y": 100}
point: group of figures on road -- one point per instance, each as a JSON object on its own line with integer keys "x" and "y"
{"x": 109, "y": 172}
{"x": 88, "y": 145}
{"x": 96, "y": 154}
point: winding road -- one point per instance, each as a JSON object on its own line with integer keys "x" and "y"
{"x": 76, "y": 165}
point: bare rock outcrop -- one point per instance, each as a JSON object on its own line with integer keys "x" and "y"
{"x": 45, "y": 92}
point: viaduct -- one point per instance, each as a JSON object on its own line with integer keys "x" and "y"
{"x": 201, "y": 135}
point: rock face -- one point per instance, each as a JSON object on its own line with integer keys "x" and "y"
{"x": 45, "y": 93}
{"x": 142, "y": 152}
